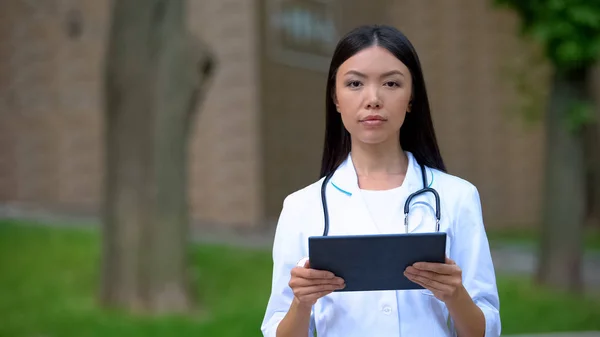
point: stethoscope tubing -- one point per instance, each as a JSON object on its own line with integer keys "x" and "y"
{"x": 425, "y": 189}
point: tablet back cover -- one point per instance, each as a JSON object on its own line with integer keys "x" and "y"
{"x": 375, "y": 262}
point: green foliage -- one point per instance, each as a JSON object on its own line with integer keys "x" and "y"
{"x": 525, "y": 73}
{"x": 569, "y": 30}
{"x": 580, "y": 113}
{"x": 49, "y": 279}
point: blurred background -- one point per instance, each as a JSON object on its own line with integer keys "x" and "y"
{"x": 125, "y": 212}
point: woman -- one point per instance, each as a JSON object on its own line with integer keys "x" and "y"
{"x": 378, "y": 133}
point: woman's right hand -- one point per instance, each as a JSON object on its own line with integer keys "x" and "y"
{"x": 309, "y": 285}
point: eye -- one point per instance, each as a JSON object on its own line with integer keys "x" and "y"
{"x": 392, "y": 84}
{"x": 353, "y": 84}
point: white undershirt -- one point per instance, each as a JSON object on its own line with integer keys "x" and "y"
{"x": 384, "y": 207}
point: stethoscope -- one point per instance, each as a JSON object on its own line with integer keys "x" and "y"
{"x": 425, "y": 189}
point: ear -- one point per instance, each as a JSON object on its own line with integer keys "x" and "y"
{"x": 409, "y": 108}
{"x": 335, "y": 100}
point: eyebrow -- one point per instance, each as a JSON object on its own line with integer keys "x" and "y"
{"x": 389, "y": 73}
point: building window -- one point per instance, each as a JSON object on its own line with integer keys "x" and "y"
{"x": 301, "y": 33}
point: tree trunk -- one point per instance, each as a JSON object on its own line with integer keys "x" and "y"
{"x": 592, "y": 157}
{"x": 155, "y": 76}
{"x": 565, "y": 194}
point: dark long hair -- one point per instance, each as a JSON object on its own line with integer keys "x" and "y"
{"x": 417, "y": 134}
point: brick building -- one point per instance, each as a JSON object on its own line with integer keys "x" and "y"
{"x": 259, "y": 134}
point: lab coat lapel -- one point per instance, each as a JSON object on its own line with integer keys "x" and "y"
{"x": 355, "y": 218}
{"x": 358, "y": 220}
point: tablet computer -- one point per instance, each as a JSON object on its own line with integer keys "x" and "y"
{"x": 375, "y": 262}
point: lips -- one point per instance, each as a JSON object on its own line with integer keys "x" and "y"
{"x": 373, "y": 120}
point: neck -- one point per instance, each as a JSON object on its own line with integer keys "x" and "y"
{"x": 379, "y": 160}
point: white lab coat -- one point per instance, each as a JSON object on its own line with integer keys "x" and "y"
{"x": 410, "y": 313}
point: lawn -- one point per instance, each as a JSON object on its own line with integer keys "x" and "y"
{"x": 49, "y": 278}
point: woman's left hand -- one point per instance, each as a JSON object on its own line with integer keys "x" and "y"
{"x": 444, "y": 280}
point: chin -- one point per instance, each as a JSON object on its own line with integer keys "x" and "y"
{"x": 373, "y": 140}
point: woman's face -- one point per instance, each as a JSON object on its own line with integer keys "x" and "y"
{"x": 372, "y": 93}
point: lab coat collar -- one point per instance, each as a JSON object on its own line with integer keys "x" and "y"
{"x": 345, "y": 178}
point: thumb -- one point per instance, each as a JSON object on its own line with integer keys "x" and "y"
{"x": 449, "y": 261}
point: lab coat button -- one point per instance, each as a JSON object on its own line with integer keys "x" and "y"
{"x": 387, "y": 310}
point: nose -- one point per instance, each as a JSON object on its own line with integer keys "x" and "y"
{"x": 373, "y": 99}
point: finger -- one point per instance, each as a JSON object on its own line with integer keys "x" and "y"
{"x": 305, "y": 291}
{"x": 303, "y": 282}
{"x": 312, "y": 273}
{"x": 314, "y": 297}
{"x": 428, "y": 283}
{"x": 321, "y": 294}
{"x": 422, "y": 285}
{"x": 441, "y": 278}
{"x": 440, "y": 268}
{"x": 305, "y": 263}
{"x": 449, "y": 261}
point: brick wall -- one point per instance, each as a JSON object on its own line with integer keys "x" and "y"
{"x": 256, "y": 113}
{"x": 50, "y": 103}
{"x": 51, "y": 118}
{"x": 225, "y": 173}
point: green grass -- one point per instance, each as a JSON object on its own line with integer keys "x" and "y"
{"x": 525, "y": 308}
{"x": 49, "y": 278}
